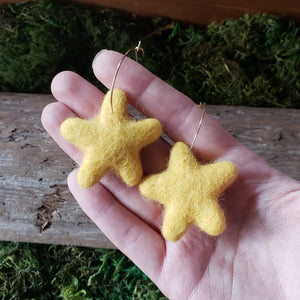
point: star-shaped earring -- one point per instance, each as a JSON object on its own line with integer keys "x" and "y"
{"x": 111, "y": 141}
{"x": 189, "y": 192}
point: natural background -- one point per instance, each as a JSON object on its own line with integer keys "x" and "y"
{"x": 253, "y": 61}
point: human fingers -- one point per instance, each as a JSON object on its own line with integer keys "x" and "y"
{"x": 77, "y": 97}
{"x": 178, "y": 114}
{"x": 143, "y": 245}
{"x": 83, "y": 98}
{"x": 52, "y": 117}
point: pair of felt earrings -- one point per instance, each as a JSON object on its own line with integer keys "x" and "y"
{"x": 112, "y": 142}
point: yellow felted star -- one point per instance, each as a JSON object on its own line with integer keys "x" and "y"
{"x": 189, "y": 192}
{"x": 111, "y": 141}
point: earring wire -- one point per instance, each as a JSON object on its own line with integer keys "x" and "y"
{"x": 136, "y": 50}
{"x": 203, "y": 107}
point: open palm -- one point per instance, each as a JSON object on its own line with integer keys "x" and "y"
{"x": 257, "y": 257}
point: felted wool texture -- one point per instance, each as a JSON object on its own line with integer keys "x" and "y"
{"x": 189, "y": 192}
{"x": 111, "y": 141}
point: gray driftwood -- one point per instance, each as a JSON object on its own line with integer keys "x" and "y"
{"x": 35, "y": 204}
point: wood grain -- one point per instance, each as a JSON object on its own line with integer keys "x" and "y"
{"x": 204, "y": 11}
{"x": 34, "y": 169}
{"x": 199, "y": 12}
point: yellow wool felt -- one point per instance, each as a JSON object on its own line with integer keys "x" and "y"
{"x": 189, "y": 192}
{"x": 111, "y": 141}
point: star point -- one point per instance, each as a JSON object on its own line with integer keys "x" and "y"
{"x": 111, "y": 141}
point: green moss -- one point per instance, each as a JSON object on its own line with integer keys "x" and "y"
{"x": 32, "y": 271}
{"x": 37, "y": 40}
{"x": 252, "y": 61}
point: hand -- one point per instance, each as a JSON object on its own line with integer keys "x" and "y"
{"x": 257, "y": 257}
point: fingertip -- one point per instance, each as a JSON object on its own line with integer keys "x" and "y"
{"x": 77, "y": 93}
{"x": 72, "y": 180}
{"x": 75, "y": 188}
{"x": 104, "y": 65}
{"x": 97, "y": 55}
{"x": 62, "y": 82}
{"x": 53, "y": 115}
{"x": 45, "y": 114}
{"x": 133, "y": 78}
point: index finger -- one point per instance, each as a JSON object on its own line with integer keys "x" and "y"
{"x": 178, "y": 114}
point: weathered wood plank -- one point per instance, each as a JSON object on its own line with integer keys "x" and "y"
{"x": 199, "y": 12}
{"x": 33, "y": 174}
{"x": 34, "y": 169}
{"x": 273, "y": 133}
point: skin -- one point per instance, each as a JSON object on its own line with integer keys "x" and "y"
{"x": 257, "y": 257}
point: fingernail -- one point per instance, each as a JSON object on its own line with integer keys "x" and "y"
{"x": 101, "y": 51}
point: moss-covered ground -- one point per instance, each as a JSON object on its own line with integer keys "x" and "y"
{"x": 253, "y": 61}
{"x": 33, "y": 271}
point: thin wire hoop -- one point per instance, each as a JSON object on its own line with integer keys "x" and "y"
{"x": 203, "y": 107}
{"x": 136, "y": 50}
